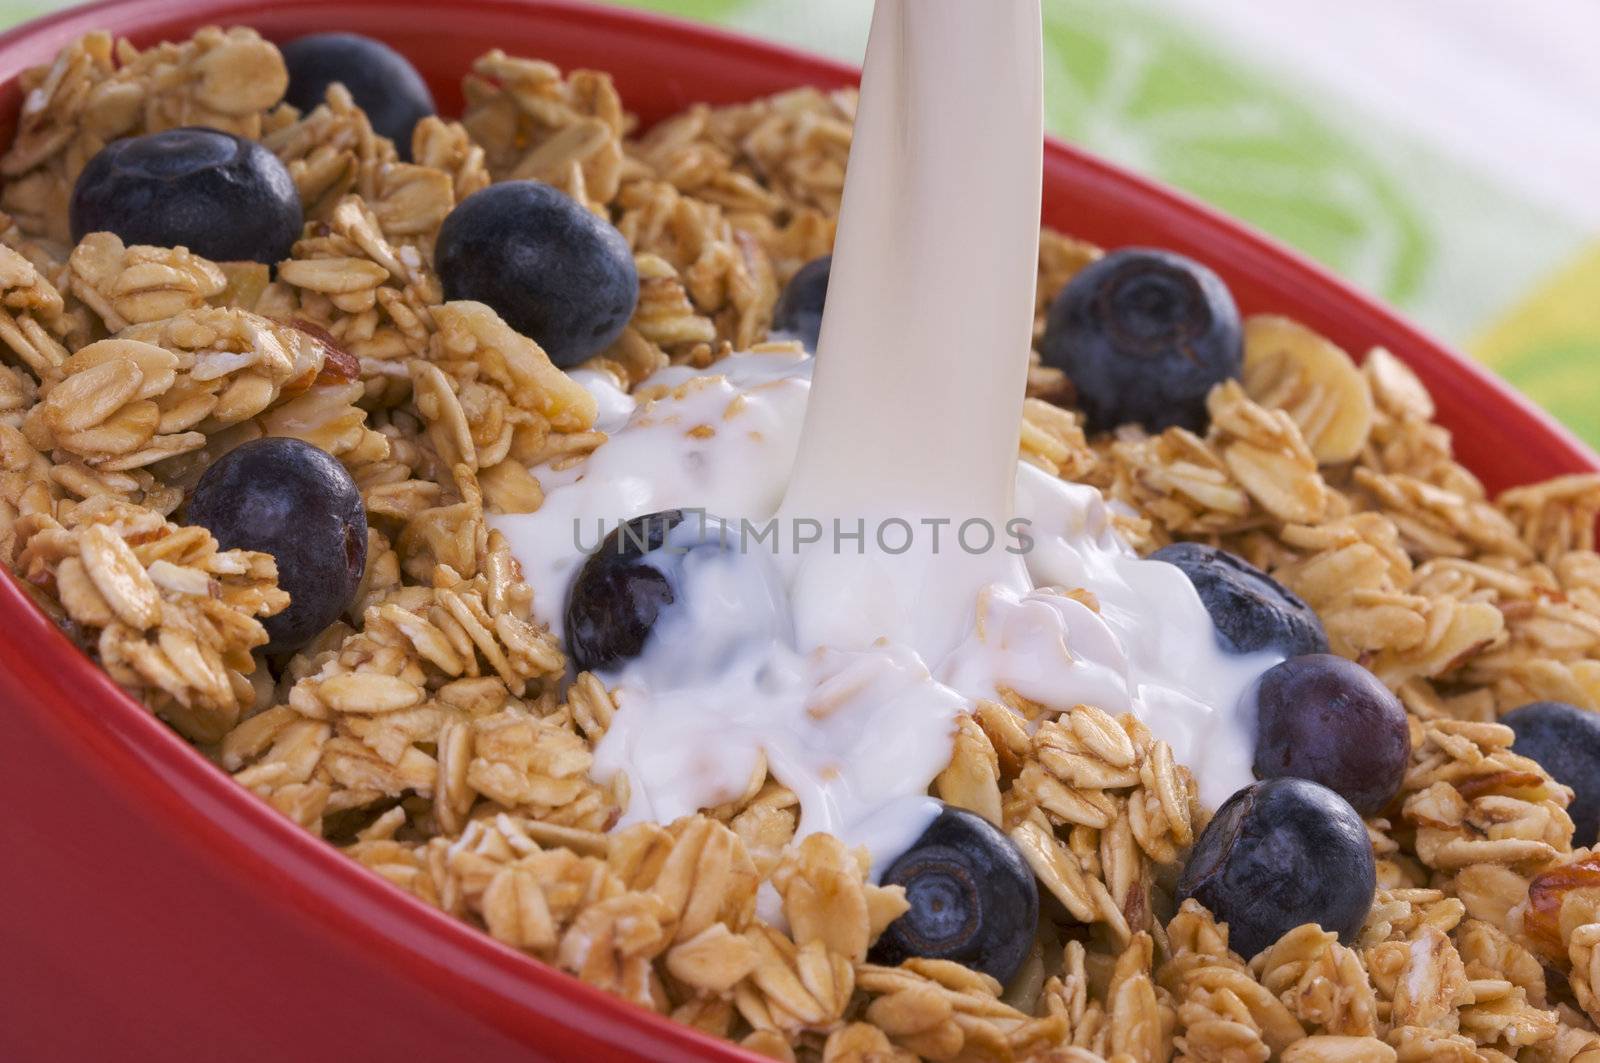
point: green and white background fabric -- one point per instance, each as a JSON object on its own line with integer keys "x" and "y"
{"x": 1443, "y": 154}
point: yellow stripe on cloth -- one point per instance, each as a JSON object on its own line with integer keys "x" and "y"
{"x": 1549, "y": 345}
{"x": 1563, "y": 311}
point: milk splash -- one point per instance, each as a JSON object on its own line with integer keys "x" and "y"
{"x": 859, "y": 733}
{"x": 852, "y": 700}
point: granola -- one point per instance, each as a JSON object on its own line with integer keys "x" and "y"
{"x": 432, "y": 734}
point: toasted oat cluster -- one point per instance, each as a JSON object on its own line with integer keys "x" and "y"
{"x": 428, "y": 732}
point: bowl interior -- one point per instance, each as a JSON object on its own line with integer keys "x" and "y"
{"x": 197, "y": 820}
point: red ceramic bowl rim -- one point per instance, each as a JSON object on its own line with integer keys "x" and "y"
{"x": 150, "y": 762}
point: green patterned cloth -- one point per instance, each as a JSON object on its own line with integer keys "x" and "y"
{"x": 1201, "y": 95}
{"x": 1437, "y": 177}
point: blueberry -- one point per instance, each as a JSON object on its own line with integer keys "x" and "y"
{"x": 221, "y": 196}
{"x": 972, "y": 896}
{"x": 1278, "y": 854}
{"x": 1565, "y": 740}
{"x": 674, "y": 580}
{"x": 286, "y": 498}
{"x": 552, "y": 269}
{"x": 380, "y": 80}
{"x": 799, "y": 307}
{"x": 1327, "y": 719}
{"x": 1144, "y": 335}
{"x": 1251, "y": 610}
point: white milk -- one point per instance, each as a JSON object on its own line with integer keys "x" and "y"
{"x": 859, "y": 733}
{"x": 842, "y": 667}
{"x": 638, "y": 470}
{"x": 923, "y": 355}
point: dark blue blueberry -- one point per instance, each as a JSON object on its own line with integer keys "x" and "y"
{"x": 1278, "y": 854}
{"x": 380, "y": 80}
{"x": 1144, "y": 335}
{"x": 1565, "y": 740}
{"x": 286, "y": 498}
{"x": 547, "y": 265}
{"x": 221, "y": 196}
{"x": 1251, "y": 610}
{"x": 972, "y": 896}
{"x": 639, "y": 585}
{"x": 799, "y": 307}
{"x": 1328, "y": 719}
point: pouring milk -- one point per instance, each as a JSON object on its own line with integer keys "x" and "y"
{"x": 912, "y": 565}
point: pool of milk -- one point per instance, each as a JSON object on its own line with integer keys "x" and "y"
{"x": 858, "y": 731}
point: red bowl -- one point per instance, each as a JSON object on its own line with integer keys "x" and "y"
{"x": 150, "y": 909}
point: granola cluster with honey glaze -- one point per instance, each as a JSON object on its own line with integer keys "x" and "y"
{"x": 429, "y": 734}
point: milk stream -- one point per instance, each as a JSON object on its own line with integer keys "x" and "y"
{"x": 923, "y": 355}
{"x": 841, "y": 665}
